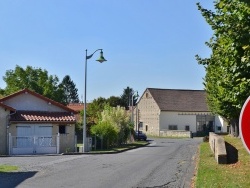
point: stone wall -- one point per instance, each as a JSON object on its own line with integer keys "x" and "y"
{"x": 176, "y": 133}
{"x": 217, "y": 145}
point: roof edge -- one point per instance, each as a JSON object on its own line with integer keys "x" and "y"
{"x": 26, "y": 90}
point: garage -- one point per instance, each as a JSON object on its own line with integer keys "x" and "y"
{"x": 33, "y": 139}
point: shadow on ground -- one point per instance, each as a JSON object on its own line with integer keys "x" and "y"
{"x": 232, "y": 153}
{"x": 13, "y": 179}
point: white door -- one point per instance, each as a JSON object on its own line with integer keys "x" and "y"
{"x": 32, "y": 139}
{"x": 45, "y": 142}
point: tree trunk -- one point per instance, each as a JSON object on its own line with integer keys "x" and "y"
{"x": 235, "y": 127}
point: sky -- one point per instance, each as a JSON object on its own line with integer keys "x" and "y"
{"x": 147, "y": 43}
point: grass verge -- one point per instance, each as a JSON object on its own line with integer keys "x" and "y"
{"x": 8, "y": 168}
{"x": 234, "y": 174}
{"x": 121, "y": 147}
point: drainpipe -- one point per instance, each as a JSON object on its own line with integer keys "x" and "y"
{"x": 7, "y": 130}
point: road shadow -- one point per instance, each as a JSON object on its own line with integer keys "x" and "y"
{"x": 13, "y": 179}
{"x": 232, "y": 154}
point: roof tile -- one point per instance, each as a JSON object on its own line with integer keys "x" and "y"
{"x": 180, "y": 100}
{"x": 40, "y": 116}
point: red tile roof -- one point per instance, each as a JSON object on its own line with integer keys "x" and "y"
{"x": 39, "y": 116}
{"x": 76, "y": 106}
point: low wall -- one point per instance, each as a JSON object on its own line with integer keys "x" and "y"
{"x": 176, "y": 133}
{"x": 217, "y": 145}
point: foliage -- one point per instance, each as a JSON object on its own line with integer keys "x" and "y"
{"x": 227, "y": 79}
{"x": 129, "y": 97}
{"x": 113, "y": 120}
{"x": 119, "y": 118}
{"x": 94, "y": 110}
{"x": 114, "y": 101}
{"x": 70, "y": 90}
{"x": 40, "y": 81}
{"x": 106, "y": 131}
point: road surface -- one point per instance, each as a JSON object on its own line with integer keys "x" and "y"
{"x": 163, "y": 163}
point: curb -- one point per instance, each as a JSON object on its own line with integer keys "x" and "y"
{"x": 100, "y": 153}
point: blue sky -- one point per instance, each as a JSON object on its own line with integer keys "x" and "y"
{"x": 148, "y": 43}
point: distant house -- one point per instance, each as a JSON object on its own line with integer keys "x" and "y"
{"x": 33, "y": 124}
{"x": 164, "y": 110}
{"x": 77, "y": 107}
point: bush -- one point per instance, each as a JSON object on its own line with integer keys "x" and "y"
{"x": 206, "y": 139}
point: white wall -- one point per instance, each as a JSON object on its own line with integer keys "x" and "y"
{"x": 29, "y": 102}
{"x": 219, "y": 122}
{"x": 173, "y": 118}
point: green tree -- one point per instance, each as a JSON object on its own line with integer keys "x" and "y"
{"x": 119, "y": 118}
{"x": 106, "y": 131}
{"x": 113, "y": 125}
{"x": 94, "y": 110}
{"x": 70, "y": 90}
{"x": 128, "y": 98}
{"x": 227, "y": 79}
{"x": 114, "y": 101}
{"x": 35, "y": 79}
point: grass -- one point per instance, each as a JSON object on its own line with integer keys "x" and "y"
{"x": 7, "y": 168}
{"x": 232, "y": 175}
{"x": 122, "y": 147}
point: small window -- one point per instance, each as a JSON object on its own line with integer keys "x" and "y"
{"x": 141, "y": 125}
{"x": 187, "y": 128}
{"x": 172, "y": 127}
{"x": 147, "y": 95}
{"x": 62, "y": 129}
{"x": 146, "y": 128}
{"x": 219, "y": 128}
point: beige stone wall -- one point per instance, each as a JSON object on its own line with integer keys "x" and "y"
{"x": 149, "y": 114}
{"x": 3, "y": 131}
{"x": 176, "y": 133}
{"x": 67, "y": 141}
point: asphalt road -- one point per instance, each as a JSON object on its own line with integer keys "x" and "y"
{"x": 163, "y": 163}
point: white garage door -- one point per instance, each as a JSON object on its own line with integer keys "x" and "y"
{"x": 34, "y": 139}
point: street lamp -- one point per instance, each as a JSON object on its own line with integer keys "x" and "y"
{"x": 133, "y": 94}
{"x": 101, "y": 60}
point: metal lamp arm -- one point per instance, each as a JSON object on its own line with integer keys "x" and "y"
{"x": 89, "y": 56}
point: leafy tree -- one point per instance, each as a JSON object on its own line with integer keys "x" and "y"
{"x": 129, "y": 98}
{"x": 94, "y": 110}
{"x": 227, "y": 79}
{"x": 35, "y": 79}
{"x": 116, "y": 120}
{"x": 114, "y": 101}
{"x": 119, "y": 118}
{"x": 70, "y": 90}
{"x": 106, "y": 131}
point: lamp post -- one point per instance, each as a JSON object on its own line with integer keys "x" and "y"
{"x": 132, "y": 101}
{"x": 101, "y": 60}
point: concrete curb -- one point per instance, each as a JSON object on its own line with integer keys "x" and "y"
{"x": 108, "y": 152}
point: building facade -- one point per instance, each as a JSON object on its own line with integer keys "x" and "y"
{"x": 33, "y": 124}
{"x": 161, "y": 111}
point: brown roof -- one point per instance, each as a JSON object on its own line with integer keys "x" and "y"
{"x": 180, "y": 100}
{"x": 76, "y": 106}
{"x": 39, "y": 96}
{"x": 40, "y": 116}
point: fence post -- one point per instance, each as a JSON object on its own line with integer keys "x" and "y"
{"x": 75, "y": 143}
{"x": 10, "y": 144}
{"x": 58, "y": 143}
